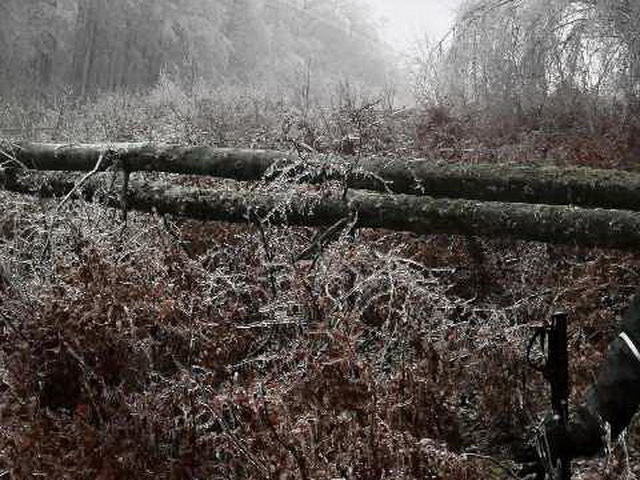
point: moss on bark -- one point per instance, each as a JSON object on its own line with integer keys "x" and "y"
{"x": 506, "y": 183}
{"x": 230, "y": 201}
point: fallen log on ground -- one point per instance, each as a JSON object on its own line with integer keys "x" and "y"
{"x": 230, "y": 201}
{"x": 507, "y": 183}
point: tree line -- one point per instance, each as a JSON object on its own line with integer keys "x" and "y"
{"x": 90, "y": 46}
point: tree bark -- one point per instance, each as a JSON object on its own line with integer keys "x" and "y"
{"x": 507, "y": 183}
{"x": 230, "y": 201}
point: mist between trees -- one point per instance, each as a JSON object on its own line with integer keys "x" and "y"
{"x": 537, "y": 64}
{"x": 100, "y": 45}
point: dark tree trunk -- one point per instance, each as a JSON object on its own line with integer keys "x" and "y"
{"x": 507, "y": 183}
{"x": 229, "y": 201}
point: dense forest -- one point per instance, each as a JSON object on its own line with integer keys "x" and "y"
{"x": 98, "y": 45}
{"x": 250, "y": 239}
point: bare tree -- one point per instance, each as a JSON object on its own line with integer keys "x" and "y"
{"x": 534, "y": 59}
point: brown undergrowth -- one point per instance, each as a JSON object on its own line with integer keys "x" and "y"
{"x": 180, "y": 349}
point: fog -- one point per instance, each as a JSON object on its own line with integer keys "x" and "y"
{"x": 94, "y": 45}
{"x": 512, "y": 58}
{"x": 405, "y": 22}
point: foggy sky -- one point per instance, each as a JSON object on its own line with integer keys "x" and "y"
{"x": 407, "y": 20}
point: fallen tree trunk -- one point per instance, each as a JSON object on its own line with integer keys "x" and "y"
{"x": 231, "y": 201}
{"x": 506, "y": 183}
